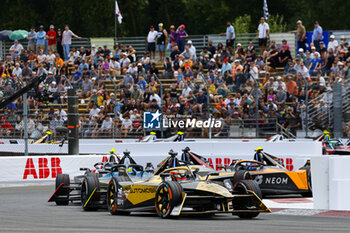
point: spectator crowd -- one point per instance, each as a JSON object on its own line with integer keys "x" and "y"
{"x": 244, "y": 85}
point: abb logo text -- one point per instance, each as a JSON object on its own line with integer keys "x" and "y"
{"x": 288, "y": 164}
{"x": 44, "y": 168}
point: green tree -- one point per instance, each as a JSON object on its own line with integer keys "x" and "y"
{"x": 276, "y": 23}
{"x": 242, "y": 24}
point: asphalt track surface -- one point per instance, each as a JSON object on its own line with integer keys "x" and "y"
{"x": 25, "y": 209}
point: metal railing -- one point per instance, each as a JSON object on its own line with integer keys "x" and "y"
{"x": 321, "y": 108}
{"x": 12, "y": 127}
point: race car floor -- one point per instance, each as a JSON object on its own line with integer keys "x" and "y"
{"x": 25, "y": 209}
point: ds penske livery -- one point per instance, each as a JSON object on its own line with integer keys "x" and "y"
{"x": 176, "y": 188}
{"x": 180, "y": 190}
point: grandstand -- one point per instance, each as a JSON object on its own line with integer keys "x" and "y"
{"x": 232, "y": 103}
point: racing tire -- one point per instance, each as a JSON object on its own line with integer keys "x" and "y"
{"x": 88, "y": 185}
{"x": 64, "y": 191}
{"x": 243, "y": 187}
{"x": 112, "y": 195}
{"x": 241, "y": 175}
{"x": 168, "y": 195}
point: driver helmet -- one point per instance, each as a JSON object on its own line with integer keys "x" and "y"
{"x": 112, "y": 151}
{"x": 258, "y": 149}
{"x": 152, "y": 133}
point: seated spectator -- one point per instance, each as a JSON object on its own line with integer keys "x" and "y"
{"x": 126, "y": 125}
{"x": 94, "y": 111}
{"x": 283, "y": 56}
{"x": 315, "y": 64}
{"x": 107, "y": 126}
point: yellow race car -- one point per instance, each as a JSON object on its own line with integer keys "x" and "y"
{"x": 176, "y": 188}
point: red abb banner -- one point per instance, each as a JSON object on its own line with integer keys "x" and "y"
{"x": 44, "y": 169}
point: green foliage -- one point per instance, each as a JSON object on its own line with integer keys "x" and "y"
{"x": 92, "y": 18}
{"x": 242, "y": 24}
{"x": 276, "y": 23}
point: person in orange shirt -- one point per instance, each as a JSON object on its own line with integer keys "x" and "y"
{"x": 221, "y": 104}
{"x": 59, "y": 60}
{"x": 292, "y": 88}
{"x": 235, "y": 68}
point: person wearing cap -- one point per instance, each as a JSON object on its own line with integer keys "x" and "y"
{"x": 31, "y": 39}
{"x": 124, "y": 63}
{"x": 40, "y": 39}
{"x": 67, "y": 41}
{"x": 315, "y": 64}
{"x": 51, "y": 37}
{"x": 263, "y": 33}
{"x": 230, "y": 36}
{"x": 93, "y": 50}
{"x": 226, "y": 66}
{"x": 333, "y": 44}
{"x": 151, "y": 42}
{"x": 302, "y": 54}
{"x": 301, "y": 35}
{"x": 317, "y": 36}
{"x": 15, "y": 49}
{"x": 192, "y": 49}
{"x": 172, "y": 38}
{"x": 283, "y": 56}
{"x": 162, "y": 37}
{"x": 181, "y": 37}
{"x": 322, "y": 49}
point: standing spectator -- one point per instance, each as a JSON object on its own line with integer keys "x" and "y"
{"x": 40, "y": 39}
{"x": 67, "y": 41}
{"x": 162, "y": 36}
{"x": 230, "y": 37}
{"x": 59, "y": 42}
{"x": 263, "y": 33}
{"x": 151, "y": 40}
{"x": 51, "y": 37}
{"x": 333, "y": 44}
{"x": 301, "y": 35}
{"x": 172, "y": 38}
{"x": 317, "y": 35}
{"x": 16, "y": 49}
{"x": 31, "y": 40}
{"x": 181, "y": 36}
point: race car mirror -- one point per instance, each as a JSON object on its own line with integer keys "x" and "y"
{"x": 222, "y": 167}
{"x": 164, "y": 176}
{"x": 212, "y": 174}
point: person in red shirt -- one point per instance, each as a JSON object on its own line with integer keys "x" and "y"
{"x": 51, "y": 37}
{"x": 6, "y": 127}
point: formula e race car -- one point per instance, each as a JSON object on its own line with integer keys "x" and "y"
{"x": 334, "y": 146}
{"x": 268, "y": 172}
{"x": 180, "y": 190}
{"x": 96, "y": 181}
